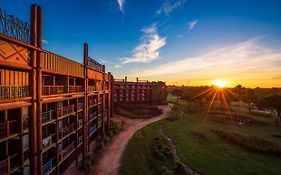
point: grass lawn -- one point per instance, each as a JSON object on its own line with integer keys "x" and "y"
{"x": 211, "y": 155}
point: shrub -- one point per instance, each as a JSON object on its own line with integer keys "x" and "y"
{"x": 161, "y": 150}
{"x": 251, "y": 143}
{"x": 174, "y": 115}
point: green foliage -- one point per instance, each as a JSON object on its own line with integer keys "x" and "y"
{"x": 161, "y": 149}
{"x": 137, "y": 110}
{"x": 251, "y": 143}
{"x": 116, "y": 126}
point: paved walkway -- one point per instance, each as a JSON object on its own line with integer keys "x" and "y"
{"x": 109, "y": 161}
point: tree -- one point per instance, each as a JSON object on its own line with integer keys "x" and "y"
{"x": 177, "y": 92}
{"x": 274, "y": 104}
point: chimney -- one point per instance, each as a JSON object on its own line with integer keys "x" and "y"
{"x": 137, "y": 79}
{"x": 125, "y": 79}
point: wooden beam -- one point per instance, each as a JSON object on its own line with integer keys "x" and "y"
{"x": 32, "y": 122}
{"x": 39, "y": 89}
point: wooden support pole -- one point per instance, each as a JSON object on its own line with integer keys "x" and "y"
{"x": 39, "y": 90}
{"x": 32, "y": 118}
{"x": 85, "y": 118}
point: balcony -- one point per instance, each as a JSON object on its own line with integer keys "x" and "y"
{"x": 92, "y": 129}
{"x": 66, "y": 130}
{"x": 25, "y": 123}
{"x": 14, "y": 91}
{"x": 49, "y": 166}
{"x": 92, "y": 88}
{"x": 73, "y": 89}
{"x": 99, "y": 122}
{"x": 48, "y": 116}
{"x": 52, "y": 90}
{"x": 5, "y": 165}
{"x": 80, "y": 107}
{"x": 66, "y": 151}
{"x": 8, "y": 128}
{"x": 92, "y": 115}
{"x": 92, "y": 102}
{"x": 64, "y": 111}
{"x": 48, "y": 141}
{"x": 80, "y": 123}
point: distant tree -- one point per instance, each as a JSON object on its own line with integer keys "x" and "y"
{"x": 274, "y": 104}
{"x": 177, "y": 92}
{"x": 251, "y": 98}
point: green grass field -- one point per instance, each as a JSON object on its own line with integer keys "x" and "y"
{"x": 253, "y": 150}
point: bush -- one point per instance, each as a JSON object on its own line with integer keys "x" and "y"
{"x": 250, "y": 143}
{"x": 165, "y": 171}
{"x": 115, "y": 126}
{"x": 137, "y": 110}
{"x": 161, "y": 150}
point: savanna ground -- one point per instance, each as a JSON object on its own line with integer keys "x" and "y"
{"x": 220, "y": 142}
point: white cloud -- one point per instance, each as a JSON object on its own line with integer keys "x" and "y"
{"x": 118, "y": 66}
{"x": 248, "y": 59}
{"x": 45, "y": 41}
{"x": 121, "y": 5}
{"x": 169, "y": 5}
{"x": 192, "y": 24}
{"x": 148, "y": 49}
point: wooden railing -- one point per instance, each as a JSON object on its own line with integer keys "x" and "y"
{"x": 8, "y": 164}
{"x": 92, "y": 129}
{"x": 66, "y": 110}
{"x": 66, "y": 151}
{"x": 80, "y": 107}
{"x": 73, "y": 89}
{"x": 53, "y": 89}
{"x": 48, "y": 141}
{"x": 48, "y": 116}
{"x": 5, "y": 166}
{"x": 93, "y": 102}
{"x": 66, "y": 130}
{"x": 8, "y": 128}
{"x": 92, "y": 88}
{"x": 14, "y": 91}
{"x": 47, "y": 167}
{"x": 92, "y": 115}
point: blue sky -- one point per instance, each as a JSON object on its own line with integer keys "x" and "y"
{"x": 189, "y": 42}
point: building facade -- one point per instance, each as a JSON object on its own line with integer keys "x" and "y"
{"x": 140, "y": 91}
{"x": 53, "y": 111}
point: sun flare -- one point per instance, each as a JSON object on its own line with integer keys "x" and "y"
{"x": 219, "y": 83}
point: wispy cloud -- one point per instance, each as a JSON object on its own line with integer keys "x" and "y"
{"x": 149, "y": 48}
{"x": 192, "y": 24}
{"x": 169, "y": 5}
{"x": 245, "y": 59}
{"x": 45, "y": 41}
{"x": 121, "y": 5}
{"x": 117, "y": 65}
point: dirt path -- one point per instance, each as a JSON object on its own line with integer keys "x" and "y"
{"x": 110, "y": 157}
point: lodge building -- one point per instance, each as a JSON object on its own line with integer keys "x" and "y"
{"x": 140, "y": 91}
{"x": 52, "y": 109}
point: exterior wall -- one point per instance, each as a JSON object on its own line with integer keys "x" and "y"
{"x": 139, "y": 92}
{"x": 52, "y": 109}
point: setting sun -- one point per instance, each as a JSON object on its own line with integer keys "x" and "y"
{"x": 219, "y": 83}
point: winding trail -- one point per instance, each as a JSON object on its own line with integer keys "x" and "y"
{"x": 186, "y": 168}
{"x": 110, "y": 157}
